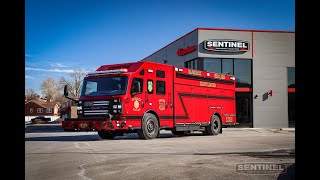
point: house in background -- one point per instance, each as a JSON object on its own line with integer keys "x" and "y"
{"x": 38, "y": 107}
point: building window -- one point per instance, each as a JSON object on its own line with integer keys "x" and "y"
{"x": 227, "y": 66}
{"x": 243, "y": 72}
{"x": 31, "y": 110}
{"x": 160, "y": 87}
{"x": 39, "y": 110}
{"x": 240, "y": 68}
{"x": 193, "y": 64}
{"x": 291, "y": 77}
{"x": 212, "y": 65}
{"x": 49, "y": 110}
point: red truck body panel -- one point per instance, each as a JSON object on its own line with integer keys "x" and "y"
{"x": 177, "y": 96}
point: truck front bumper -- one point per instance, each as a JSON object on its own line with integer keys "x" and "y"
{"x": 91, "y": 125}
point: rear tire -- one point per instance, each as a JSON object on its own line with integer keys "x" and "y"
{"x": 106, "y": 134}
{"x": 149, "y": 127}
{"x": 214, "y": 127}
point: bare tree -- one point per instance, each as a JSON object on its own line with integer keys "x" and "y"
{"x": 60, "y": 98}
{"x": 31, "y": 94}
{"x": 49, "y": 88}
{"x": 63, "y": 82}
{"x": 75, "y": 84}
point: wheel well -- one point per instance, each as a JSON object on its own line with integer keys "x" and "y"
{"x": 154, "y": 113}
{"x": 217, "y": 114}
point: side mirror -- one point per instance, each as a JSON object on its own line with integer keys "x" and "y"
{"x": 65, "y": 91}
{"x": 136, "y": 88}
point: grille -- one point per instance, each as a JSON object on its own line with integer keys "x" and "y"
{"x": 95, "y": 107}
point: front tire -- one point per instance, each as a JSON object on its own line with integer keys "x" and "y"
{"x": 106, "y": 134}
{"x": 214, "y": 127}
{"x": 149, "y": 127}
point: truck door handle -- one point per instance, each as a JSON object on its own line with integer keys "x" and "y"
{"x": 142, "y": 104}
{"x": 166, "y": 105}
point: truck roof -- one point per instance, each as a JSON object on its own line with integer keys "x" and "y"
{"x": 135, "y": 66}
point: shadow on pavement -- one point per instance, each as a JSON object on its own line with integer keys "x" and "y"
{"x": 91, "y": 137}
{"x": 43, "y": 129}
{"x": 94, "y": 137}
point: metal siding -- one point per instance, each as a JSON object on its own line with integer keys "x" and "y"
{"x": 273, "y": 53}
{"x": 160, "y": 55}
{"x": 172, "y": 56}
{"x": 170, "y": 52}
{"x": 234, "y": 35}
{"x": 191, "y": 40}
{"x": 270, "y": 116}
{"x": 150, "y": 58}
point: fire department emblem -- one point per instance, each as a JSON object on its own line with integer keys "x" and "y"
{"x": 83, "y": 125}
{"x": 162, "y": 103}
{"x": 136, "y": 104}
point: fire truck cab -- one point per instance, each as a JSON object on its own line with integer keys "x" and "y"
{"x": 146, "y": 97}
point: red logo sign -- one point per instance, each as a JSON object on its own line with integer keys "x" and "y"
{"x": 182, "y": 52}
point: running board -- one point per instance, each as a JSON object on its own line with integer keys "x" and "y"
{"x": 189, "y": 127}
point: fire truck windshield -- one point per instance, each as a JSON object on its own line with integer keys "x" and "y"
{"x": 106, "y": 86}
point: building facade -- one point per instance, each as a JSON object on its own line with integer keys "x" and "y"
{"x": 263, "y": 63}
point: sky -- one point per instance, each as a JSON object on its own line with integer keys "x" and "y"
{"x": 66, "y": 35}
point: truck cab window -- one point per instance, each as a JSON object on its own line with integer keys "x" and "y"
{"x": 137, "y": 85}
{"x": 160, "y": 87}
{"x": 91, "y": 86}
{"x": 142, "y": 72}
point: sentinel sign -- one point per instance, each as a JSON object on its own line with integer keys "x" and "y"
{"x": 223, "y": 45}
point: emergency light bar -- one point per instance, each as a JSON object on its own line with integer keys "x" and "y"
{"x": 113, "y": 71}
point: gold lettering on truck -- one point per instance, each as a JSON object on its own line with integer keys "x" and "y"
{"x": 207, "y": 84}
{"x": 229, "y": 119}
{"x": 219, "y": 76}
{"x": 194, "y": 72}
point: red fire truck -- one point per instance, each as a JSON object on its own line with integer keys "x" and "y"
{"x": 146, "y": 97}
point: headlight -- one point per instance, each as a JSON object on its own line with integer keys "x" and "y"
{"x": 79, "y": 108}
{"x": 115, "y": 111}
{"x": 119, "y": 106}
{"x": 115, "y": 106}
{"x": 116, "y": 100}
{"x": 80, "y": 102}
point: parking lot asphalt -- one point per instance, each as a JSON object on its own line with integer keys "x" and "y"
{"x": 51, "y": 153}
